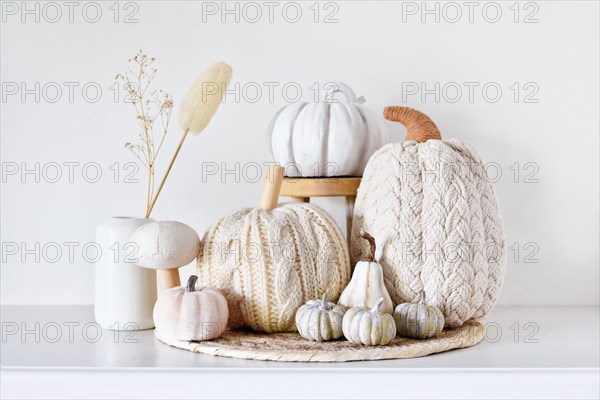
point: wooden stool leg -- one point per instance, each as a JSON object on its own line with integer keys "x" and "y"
{"x": 349, "y": 214}
{"x": 301, "y": 199}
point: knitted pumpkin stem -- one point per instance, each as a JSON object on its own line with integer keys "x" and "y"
{"x": 419, "y": 127}
{"x": 371, "y": 256}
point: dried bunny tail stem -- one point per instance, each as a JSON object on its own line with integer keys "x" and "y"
{"x": 204, "y": 97}
{"x": 162, "y": 182}
{"x": 197, "y": 109}
{"x": 419, "y": 127}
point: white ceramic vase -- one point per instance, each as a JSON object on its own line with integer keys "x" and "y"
{"x": 125, "y": 293}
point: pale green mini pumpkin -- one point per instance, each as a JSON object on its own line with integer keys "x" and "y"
{"x": 320, "y": 320}
{"x": 369, "y": 326}
{"x": 418, "y": 320}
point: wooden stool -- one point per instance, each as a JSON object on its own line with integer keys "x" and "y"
{"x": 302, "y": 189}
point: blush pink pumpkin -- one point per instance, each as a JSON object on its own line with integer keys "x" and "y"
{"x": 188, "y": 313}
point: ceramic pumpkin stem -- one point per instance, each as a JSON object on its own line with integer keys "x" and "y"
{"x": 419, "y": 127}
{"x": 378, "y": 304}
{"x": 324, "y": 301}
{"x": 422, "y": 300}
{"x": 191, "y": 283}
{"x": 371, "y": 256}
{"x": 346, "y": 91}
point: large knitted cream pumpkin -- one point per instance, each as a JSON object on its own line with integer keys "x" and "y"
{"x": 429, "y": 205}
{"x": 269, "y": 261}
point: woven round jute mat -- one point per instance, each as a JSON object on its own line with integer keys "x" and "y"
{"x": 292, "y": 347}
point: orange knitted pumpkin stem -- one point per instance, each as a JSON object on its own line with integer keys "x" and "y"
{"x": 419, "y": 127}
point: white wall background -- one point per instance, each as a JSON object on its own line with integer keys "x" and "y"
{"x": 372, "y": 49}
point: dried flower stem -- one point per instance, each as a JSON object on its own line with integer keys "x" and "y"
{"x": 149, "y": 108}
{"x": 162, "y": 182}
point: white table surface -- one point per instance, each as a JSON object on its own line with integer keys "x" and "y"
{"x": 528, "y": 352}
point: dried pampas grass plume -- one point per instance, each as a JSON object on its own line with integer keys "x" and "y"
{"x": 204, "y": 97}
{"x": 198, "y": 107}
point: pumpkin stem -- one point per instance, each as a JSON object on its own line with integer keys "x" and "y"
{"x": 324, "y": 301}
{"x": 378, "y": 304}
{"x": 344, "y": 89}
{"x": 419, "y": 127}
{"x": 191, "y": 283}
{"x": 371, "y": 256}
{"x": 422, "y": 300}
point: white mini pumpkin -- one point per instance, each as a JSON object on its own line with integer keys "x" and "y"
{"x": 369, "y": 326}
{"x": 187, "y": 313}
{"x": 367, "y": 286}
{"x": 418, "y": 320}
{"x": 320, "y": 320}
{"x": 327, "y": 138}
{"x": 434, "y": 213}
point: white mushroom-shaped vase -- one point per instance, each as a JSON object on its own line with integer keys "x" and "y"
{"x": 165, "y": 246}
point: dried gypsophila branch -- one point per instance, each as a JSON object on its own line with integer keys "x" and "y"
{"x": 151, "y": 109}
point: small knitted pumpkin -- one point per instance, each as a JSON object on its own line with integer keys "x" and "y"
{"x": 431, "y": 209}
{"x": 269, "y": 261}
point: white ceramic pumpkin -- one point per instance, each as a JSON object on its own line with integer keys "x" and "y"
{"x": 327, "y": 138}
{"x": 188, "y": 313}
{"x": 369, "y": 326}
{"x": 320, "y": 320}
{"x": 418, "y": 320}
{"x": 366, "y": 285}
{"x": 434, "y": 213}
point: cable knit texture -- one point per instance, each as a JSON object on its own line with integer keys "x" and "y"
{"x": 269, "y": 263}
{"x": 436, "y": 220}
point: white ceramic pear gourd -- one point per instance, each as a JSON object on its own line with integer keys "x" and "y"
{"x": 188, "y": 313}
{"x": 433, "y": 211}
{"x": 320, "y": 320}
{"x": 367, "y": 286}
{"x": 369, "y": 326}
{"x": 327, "y": 138}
